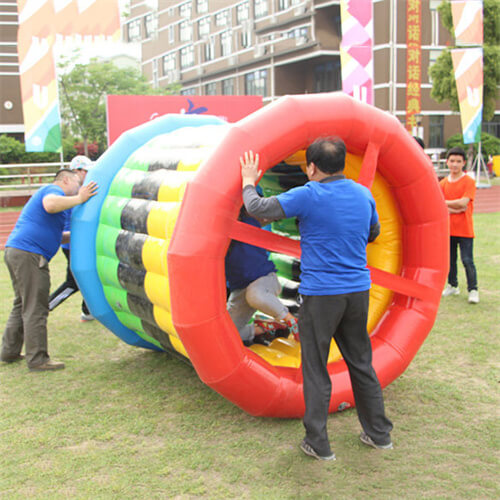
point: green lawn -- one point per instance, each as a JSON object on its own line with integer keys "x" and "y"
{"x": 122, "y": 422}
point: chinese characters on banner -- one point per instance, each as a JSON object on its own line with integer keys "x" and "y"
{"x": 42, "y": 25}
{"x": 468, "y": 66}
{"x": 356, "y": 49}
{"x": 413, "y": 61}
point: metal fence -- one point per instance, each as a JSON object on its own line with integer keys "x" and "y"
{"x": 28, "y": 176}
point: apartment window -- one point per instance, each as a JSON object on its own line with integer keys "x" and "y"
{"x": 228, "y": 86}
{"x": 225, "y": 43}
{"x": 187, "y": 57}
{"x": 185, "y": 31}
{"x": 169, "y": 63}
{"x": 436, "y": 131}
{"x": 171, "y": 34}
{"x": 134, "y": 30}
{"x": 210, "y": 50}
{"x": 242, "y": 12}
{"x": 283, "y": 4}
{"x": 185, "y": 10}
{"x": 245, "y": 39}
{"x": 222, "y": 18}
{"x": 211, "y": 88}
{"x": 191, "y": 91}
{"x": 256, "y": 83}
{"x": 202, "y": 6}
{"x": 298, "y": 34}
{"x": 492, "y": 127}
{"x": 327, "y": 77}
{"x": 150, "y": 25}
{"x": 261, "y": 8}
{"x": 204, "y": 27}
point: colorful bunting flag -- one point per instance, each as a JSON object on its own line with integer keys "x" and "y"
{"x": 356, "y": 49}
{"x": 468, "y": 67}
{"x": 42, "y": 24}
{"x": 468, "y": 21}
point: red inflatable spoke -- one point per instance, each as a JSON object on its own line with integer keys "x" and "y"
{"x": 264, "y": 239}
{"x": 402, "y": 285}
{"x": 369, "y": 166}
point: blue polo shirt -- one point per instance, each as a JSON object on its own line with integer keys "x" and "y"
{"x": 36, "y": 230}
{"x": 245, "y": 263}
{"x": 334, "y": 223}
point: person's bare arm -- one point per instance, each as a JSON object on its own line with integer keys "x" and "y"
{"x": 54, "y": 203}
{"x": 458, "y": 204}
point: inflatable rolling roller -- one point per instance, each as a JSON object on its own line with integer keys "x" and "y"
{"x": 148, "y": 251}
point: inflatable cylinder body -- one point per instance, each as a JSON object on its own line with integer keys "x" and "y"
{"x": 158, "y": 232}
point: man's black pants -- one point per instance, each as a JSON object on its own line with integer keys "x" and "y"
{"x": 344, "y": 318}
{"x": 466, "y": 250}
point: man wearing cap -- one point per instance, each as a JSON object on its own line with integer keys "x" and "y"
{"x": 81, "y": 165}
{"x": 31, "y": 245}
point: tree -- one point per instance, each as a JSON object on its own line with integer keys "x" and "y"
{"x": 444, "y": 87}
{"x": 83, "y": 91}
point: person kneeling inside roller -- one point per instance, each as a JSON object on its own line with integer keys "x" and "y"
{"x": 253, "y": 286}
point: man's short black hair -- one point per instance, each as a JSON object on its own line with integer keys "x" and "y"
{"x": 328, "y": 154}
{"x": 456, "y": 151}
{"x": 64, "y": 172}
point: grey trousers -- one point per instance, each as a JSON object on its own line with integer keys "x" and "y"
{"x": 342, "y": 317}
{"x": 260, "y": 295}
{"x": 27, "y": 322}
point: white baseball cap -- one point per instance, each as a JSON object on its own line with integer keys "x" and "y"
{"x": 80, "y": 162}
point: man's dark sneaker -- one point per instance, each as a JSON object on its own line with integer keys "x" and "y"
{"x": 48, "y": 366}
{"x": 366, "y": 439}
{"x": 12, "y": 359}
{"x": 309, "y": 450}
{"x": 264, "y": 338}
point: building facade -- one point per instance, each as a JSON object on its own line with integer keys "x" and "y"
{"x": 278, "y": 47}
{"x": 11, "y": 112}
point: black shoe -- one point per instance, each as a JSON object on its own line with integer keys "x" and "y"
{"x": 264, "y": 338}
{"x": 366, "y": 439}
{"x": 309, "y": 450}
{"x": 12, "y": 359}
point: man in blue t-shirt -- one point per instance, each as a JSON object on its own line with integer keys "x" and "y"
{"x": 33, "y": 242}
{"x": 337, "y": 218}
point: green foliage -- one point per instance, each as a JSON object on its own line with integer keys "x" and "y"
{"x": 490, "y": 145}
{"x": 83, "y": 91}
{"x": 442, "y": 74}
{"x": 13, "y": 151}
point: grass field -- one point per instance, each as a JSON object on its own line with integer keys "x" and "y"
{"x": 121, "y": 422}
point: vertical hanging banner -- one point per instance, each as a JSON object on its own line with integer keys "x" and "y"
{"x": 413, "y": 61}
{"x": 356, "y": 49}
{"x": 468, "y": 65}
{"x": 468, "y": 68}
{"x": 43, "y": 24}
{"x": 468, "y": 21}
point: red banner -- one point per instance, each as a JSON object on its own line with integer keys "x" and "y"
{"x": 127, "y": 111}
{"x": 413, "y": 61}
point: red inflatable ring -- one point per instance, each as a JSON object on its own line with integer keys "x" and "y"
{"x": 208, "y": 221}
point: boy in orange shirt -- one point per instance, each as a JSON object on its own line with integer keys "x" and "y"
{"x": 459, "y": 191}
